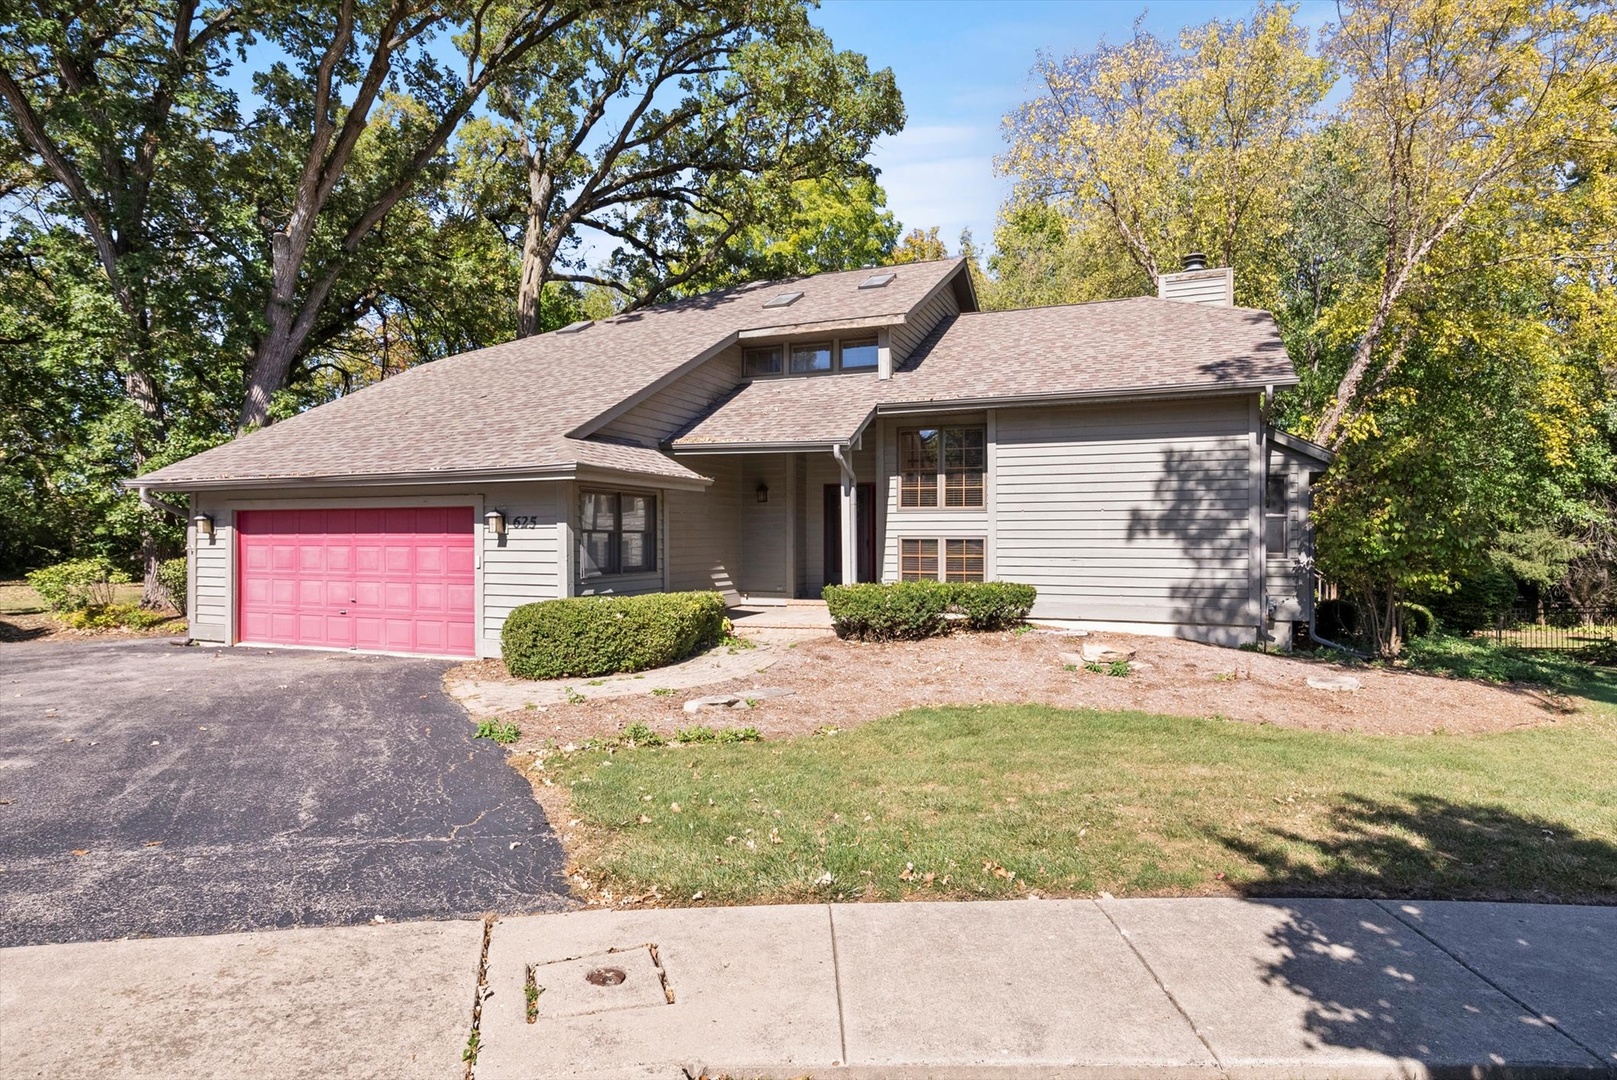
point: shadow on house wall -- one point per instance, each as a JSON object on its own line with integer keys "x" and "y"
{"x": 1201, "y": 502}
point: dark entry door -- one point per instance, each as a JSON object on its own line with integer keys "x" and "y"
{"x": 864, "y": 505}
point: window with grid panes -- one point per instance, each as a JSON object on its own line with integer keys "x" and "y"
{"x": 918, "y": 560}
{"x": 962, "y": 560}
{"x": 950, "y": 460}
{"x": 617, "y": 534}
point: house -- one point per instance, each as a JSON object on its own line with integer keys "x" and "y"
{"x": 767, "y": 439}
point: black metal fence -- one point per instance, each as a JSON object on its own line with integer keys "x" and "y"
{"x": 1560, "y": 627}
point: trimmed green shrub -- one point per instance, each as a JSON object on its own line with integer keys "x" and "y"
{"x": 606, "y": 635}
{"x": 77, "y": 584}
{"x": 909, "y": 610}
{"x": 171, "y": 575}
{"x": 113, "y": 617}
{"x": 1417, "y": 619}
{"x": 992, "y": 605}
{"x": 902, "y": 611}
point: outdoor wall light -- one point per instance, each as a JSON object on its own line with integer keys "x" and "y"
{"x": 763, "y": 492}
{"x": 496, "y": 522}
{"x": 204, "y": 523}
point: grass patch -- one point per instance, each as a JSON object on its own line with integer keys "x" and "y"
{"x": 503, "y": 732}
{"x": 1001, "y": 800}
{"x": 20, "y": 598}
{"x": 1483, "y": 658}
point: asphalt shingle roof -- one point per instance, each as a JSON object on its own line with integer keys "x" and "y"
{"x": 1119, "y": 347}
{"x": 511, "y": 406}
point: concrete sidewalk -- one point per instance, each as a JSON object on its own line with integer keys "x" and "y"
{"x": 1064, "y": 988}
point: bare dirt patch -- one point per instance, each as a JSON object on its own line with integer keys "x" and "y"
{"x": 841, "y": 684}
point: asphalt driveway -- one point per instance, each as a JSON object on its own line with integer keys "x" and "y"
{"x": 150, "y": 788}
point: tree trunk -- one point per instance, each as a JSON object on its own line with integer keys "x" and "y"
{"x": 537, "y": 251}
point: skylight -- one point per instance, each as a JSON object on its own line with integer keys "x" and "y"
{"x": 785, "y": 299}
{"x": 878, "y": 281}
{"x": 573, "y": 328}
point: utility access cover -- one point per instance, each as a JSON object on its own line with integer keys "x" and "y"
{"x": 600, "y": 982}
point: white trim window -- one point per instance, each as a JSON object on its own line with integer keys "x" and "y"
{"x": 951, "y": 460}
{"x": 617, "y": 534}
{"x": 962, "y": 558}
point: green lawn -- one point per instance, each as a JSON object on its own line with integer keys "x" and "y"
{"x": 19, "y": 598}
{"x": 1000, "y": 801}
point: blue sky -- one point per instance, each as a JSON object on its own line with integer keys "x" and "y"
{"x": 963, "y": 64}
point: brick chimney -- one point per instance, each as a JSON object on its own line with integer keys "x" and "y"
{"x": 1196, "y": 284}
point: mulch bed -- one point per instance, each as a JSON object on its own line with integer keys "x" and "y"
{"x": 843, "y": 684}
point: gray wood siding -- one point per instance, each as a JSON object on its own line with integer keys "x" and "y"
{"x": 674, "y": 407}
{"x": 765, "y": 546}
{"x": 1129, "y": 514}
{"x": 526, "y": 566}
{"x": 211, "y": 565}
{"x": 704, "y": 530}
{"x": 903, "y": 339}
{"x": 929, "y": 523}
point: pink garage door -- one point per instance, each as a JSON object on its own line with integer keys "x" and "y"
{"x": 396, "y": 579}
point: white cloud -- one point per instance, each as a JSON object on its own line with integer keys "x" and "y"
{"x": 943, "y": 175}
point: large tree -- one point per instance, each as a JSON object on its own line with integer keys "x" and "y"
{"x": 1168, "y": 148}
{"x": 650, "y": 140}
{"x": 1453, "y": 101}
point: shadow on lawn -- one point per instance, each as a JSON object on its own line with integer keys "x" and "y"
{"x": 1427, "y": 847}
{"x": 10, "y": 631}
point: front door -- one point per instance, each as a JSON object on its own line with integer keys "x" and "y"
{"x": 864, "y": 505}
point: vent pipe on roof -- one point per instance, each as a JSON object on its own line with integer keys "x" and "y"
{"x": 1195, "y": 260}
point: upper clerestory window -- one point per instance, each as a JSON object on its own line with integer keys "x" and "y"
{"x": 762, "y": 361}
{"x": 859, "y": 355}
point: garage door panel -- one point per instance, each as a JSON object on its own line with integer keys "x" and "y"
{"x": 429, "y": 559}
{"x": 400, "y": 579}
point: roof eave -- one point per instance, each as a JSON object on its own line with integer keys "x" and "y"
{"x": 540, "y": 474}
{"x": 1297, "y": 443}
{"x": 1144, "y": 393}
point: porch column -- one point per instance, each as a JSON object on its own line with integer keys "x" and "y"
{"x": 850, "y": 545}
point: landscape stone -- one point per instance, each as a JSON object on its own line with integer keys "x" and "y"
{"x": 1100, "y": 653}
{"x": 1072, "y": 659}
{"x": 715, "y": 701}
{"x": 1334, "y": 682}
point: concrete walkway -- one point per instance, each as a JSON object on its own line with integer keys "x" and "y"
{"x": 1024, "y": 989}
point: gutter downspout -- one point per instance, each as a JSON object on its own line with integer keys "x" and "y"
{"x": 155, "y": 503}
{"x": 850, "y": 549}
{"x": 1263, "y": 519}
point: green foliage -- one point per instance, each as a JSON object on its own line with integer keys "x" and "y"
{"x": 901, "y": 611}
{"x": 503, "y": 732}
{"x": 909, "y": 610}
{"x": 1418, "y": 620}
{"x": 704, "y": 734}
{"x": 1478, "y": 599}
{"x": 77, "y": 585}
{"x": 588, "y": 636}
{"x": 171, "y": 575}
{"x": 113, "y": 617}
{"x": 992, "y": 605}
{"x": 1482, "y": 658}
